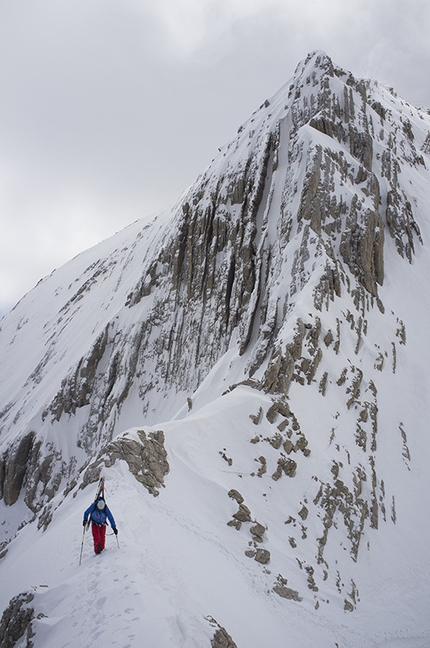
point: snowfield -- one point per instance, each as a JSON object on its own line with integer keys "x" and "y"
{"x": 178, "y": 565}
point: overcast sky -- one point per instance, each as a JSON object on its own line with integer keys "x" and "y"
{"x": 110, "y": 109}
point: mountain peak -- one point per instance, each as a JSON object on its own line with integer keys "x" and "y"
{"x": 317, "y": 60}
{"x": 254, "y": 348}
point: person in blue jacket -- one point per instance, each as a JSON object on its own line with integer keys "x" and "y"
{"x": 99, "y": 513}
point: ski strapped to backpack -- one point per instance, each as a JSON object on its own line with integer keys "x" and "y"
{"x": 100, "y": 489}
{"x": 100, "y": 493}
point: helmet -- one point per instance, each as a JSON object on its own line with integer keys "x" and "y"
{"x": 101, "y": 504}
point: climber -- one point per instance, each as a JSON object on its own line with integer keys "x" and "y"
{"x": 99, "y": 513}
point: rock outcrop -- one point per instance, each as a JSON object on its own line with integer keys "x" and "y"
{"x": 16, "y": 622}
{"x": 221, "y": 638}
{"x": 146, "y": 459}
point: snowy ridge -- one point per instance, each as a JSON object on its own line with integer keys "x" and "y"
{"x": 249, "y": 359}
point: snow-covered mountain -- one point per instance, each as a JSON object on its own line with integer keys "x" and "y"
{"x": 249, "y": 373}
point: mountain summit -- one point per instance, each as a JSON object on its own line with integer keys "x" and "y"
{"x": 248, "y": 371}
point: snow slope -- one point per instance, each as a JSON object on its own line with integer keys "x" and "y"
{"x": 178, "y": 563}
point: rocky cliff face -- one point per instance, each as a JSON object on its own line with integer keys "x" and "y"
{"x": 276, "y": 254}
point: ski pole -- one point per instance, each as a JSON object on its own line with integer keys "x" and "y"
{"x": 82, "y": 544}
{"x": 117, "y": 541}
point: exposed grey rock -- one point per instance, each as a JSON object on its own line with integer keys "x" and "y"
{"x": 16, "y": 622}
{"x": 361, "y": 147}
{"x": 323, "y": 383}
{"x": 287, "y": 592}
{"x": 304, "y": 512}
{"x": 287, "y": 466}
{"x": 256, "y": 418}
{"x": 310, "y": 578}
{"x": 229, "y": 460}
{"x": 263, "y": 468}
{"x": 290, "y": 467}
{"x": 146, "y": 459}
{"x": 277, "y": 407}
{"x": 77, "y": 389}
{"x": 280, "y": 369}
{"x": 401, "y": 223}
{"x": 301, "y": 444}
{"x": 258, "y": 531}
{"x": 234, "y": 494}
{"x": 243, "y": 514}
{"x": 362, "y": 246}
{"x": 351, "y": 506}
{"x": 14, "y": 467}
{"x": 222, "y": 639}
{"x": 262, "y": 556}
{"x": 348, "y": 606}
{"x": 275, "y": 441}
{"x": 288, "y": 446}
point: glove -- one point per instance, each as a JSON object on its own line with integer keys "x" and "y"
{"x": 115, "y": 531}
{"x": 84, "y": 522}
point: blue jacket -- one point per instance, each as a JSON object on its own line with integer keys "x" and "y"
{"x": 99, "y": 517}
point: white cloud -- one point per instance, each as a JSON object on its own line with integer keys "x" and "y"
{"x": 189, "y": 25}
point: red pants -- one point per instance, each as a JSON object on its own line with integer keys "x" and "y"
{"x": 99, "y": 535}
